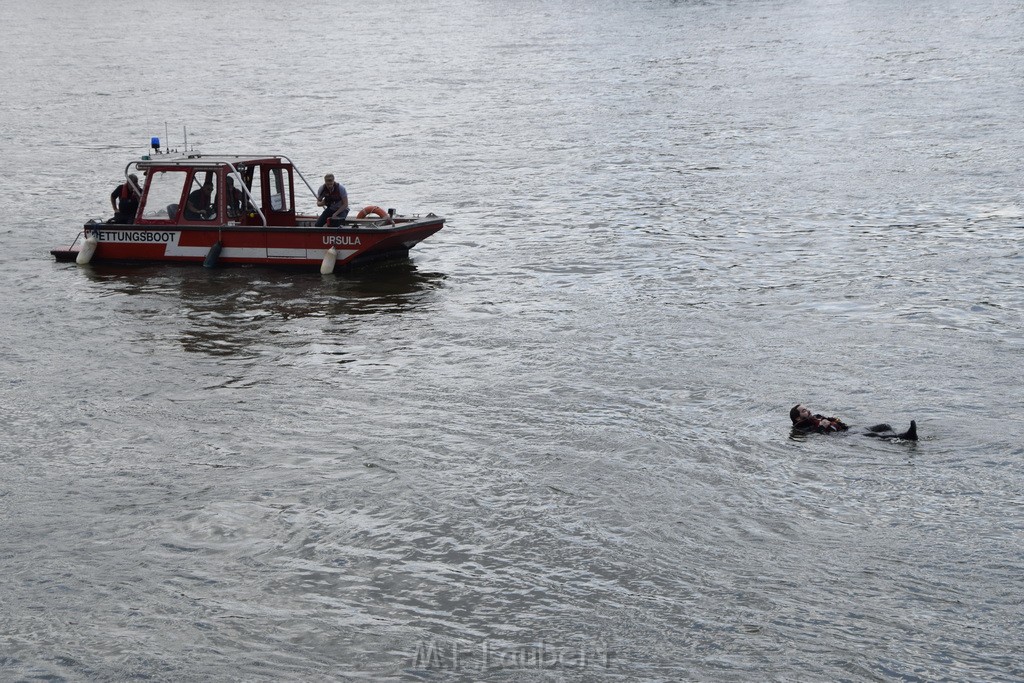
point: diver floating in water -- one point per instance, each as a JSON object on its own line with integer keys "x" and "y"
{"x": 807, "y": 422}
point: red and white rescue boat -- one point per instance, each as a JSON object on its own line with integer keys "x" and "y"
{"x": 251, "y": 219}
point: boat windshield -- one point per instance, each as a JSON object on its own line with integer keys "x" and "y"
{"x": 164, "y": 195}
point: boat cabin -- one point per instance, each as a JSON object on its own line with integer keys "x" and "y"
{"x": 217, "y": 190}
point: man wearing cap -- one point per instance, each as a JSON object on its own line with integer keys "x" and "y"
{"x": 333, "y": 197}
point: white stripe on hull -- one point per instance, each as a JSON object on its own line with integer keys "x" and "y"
{"x": 173, "y": 248}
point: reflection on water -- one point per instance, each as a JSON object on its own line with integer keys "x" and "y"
{"x": 232, "y": 310}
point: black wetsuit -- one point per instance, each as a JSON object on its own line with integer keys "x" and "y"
{"x": 884, "y": 431}
{"x": 879, "y": 431}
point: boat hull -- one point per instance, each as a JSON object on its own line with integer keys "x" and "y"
{"x": 300, "y": 246}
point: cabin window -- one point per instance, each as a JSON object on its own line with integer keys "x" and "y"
{"x": 164, "y": 195}
{"x": 234, "y": 194}
{"x": 255, "y": 185}
{"x": 201, "y": 204}
{"x": 280, "y": 182}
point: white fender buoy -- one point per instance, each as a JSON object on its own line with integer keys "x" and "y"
{"x": 87, "y": 250}
{"x": 330, "y": 258}
{"x": 211, "y": 256}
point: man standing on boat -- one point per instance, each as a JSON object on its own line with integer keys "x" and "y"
{"x": 125, "y": 200}
{"x": 333, "y": 197}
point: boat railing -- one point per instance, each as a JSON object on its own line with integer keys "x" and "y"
{"x": 252, "y": 201}
{"x": 299, "y": 173}
{"x": 264, "y": 156}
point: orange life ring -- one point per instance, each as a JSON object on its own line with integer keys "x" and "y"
{"x": 371, "y": 210}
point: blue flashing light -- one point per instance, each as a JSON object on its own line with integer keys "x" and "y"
{"x": 155, "y": 143}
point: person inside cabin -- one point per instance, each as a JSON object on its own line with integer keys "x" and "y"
{"x": 333, "y": 197}
{"x": 125, "y": 200}
{"x": 200, "y": 204}
{"x": 233, "y": 196}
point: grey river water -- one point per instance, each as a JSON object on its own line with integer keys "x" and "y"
{"x": 554, "y": 443}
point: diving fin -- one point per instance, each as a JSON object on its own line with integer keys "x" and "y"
{"x": 910, "y": 434}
